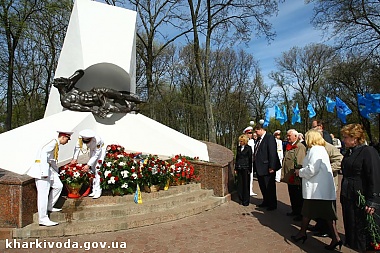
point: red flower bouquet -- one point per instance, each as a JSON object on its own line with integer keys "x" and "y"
{"x": 182, "y": 170}
{"x": 73, "y": 173}
{"x": 119, "y": 172}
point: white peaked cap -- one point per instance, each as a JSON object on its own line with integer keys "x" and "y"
{"x": 87, "y": 133}
{"x": 277, "y": 132}
{"x": 248, "y": 129}
{"x": 65, "y": 132}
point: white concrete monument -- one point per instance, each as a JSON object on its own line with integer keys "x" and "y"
{"x": 101, "y": 40}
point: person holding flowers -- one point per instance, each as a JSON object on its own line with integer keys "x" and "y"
{"x": 295, "y": 152}
{"x": 45, "y": 172}
{"x": 89, "y": 143}
{"x": 360, "y": 190}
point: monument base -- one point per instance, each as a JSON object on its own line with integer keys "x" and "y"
{"x": 18, "y": 200}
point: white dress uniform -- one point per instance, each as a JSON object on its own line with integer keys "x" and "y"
{"x": 251, "y": 143}
{"x": 280, "y": 153}
{"x": 45, "y": 171}
{"x": 96, "y": 150}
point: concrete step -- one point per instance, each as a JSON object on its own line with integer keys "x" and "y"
{"x": 120, "y": 212}
{"x": 99, "y": 212}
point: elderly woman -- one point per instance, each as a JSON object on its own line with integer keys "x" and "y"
{"x": 318, "y": 189}
{"x": 243, "y": 169}
{"x": 361, "y": 173}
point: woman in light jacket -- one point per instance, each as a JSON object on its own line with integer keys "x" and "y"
{"x": 318, "y": 189}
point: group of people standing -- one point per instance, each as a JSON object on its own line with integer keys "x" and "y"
{"x": 45, "y": 170}
{"x": 310, "y": 169}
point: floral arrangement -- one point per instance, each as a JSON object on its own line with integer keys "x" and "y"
{"x": 119, "y": 171}
{"x": 182, "y": 170}
{"x": 155, "y": 171}
{"x": 372, "y": 228}
{"x": 74, "y": 174}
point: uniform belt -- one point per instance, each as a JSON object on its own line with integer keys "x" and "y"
{"x": 37, "y": 161}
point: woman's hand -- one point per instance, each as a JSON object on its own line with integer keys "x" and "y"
{"x": 297, "y": 172}
{"x": 369, "y": 210}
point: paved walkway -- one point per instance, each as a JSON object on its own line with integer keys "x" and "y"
{"x": 227, "y": 228}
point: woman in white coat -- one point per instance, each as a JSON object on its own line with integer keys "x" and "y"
{"x": 318, "y": 189}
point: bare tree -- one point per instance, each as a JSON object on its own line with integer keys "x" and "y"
{"x": 303, "y": 70}
{"x": 153, "y": 18}
{"x": 354, "y": 23}
{"x": 236, "y": 20}
{"x": 14, "y": 15}
{"x": 355, "y": 75}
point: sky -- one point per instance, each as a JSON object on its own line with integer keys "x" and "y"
{"x": 293, "y": 28}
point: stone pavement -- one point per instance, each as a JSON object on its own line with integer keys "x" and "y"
{"x": 227, "y": 228}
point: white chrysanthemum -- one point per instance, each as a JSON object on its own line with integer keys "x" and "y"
{"x": 112, "y": 180}
{"x": 76, "y": 174}
{"x": 106, "y": 173}
{"x": 124, "y": 173}
{"x": 120, "y": 156}
{"x": 108, "y": 164}
{"x": 134, "y": 175}
{"x": 125, "y": 185}
{"x": 121, "y": 163}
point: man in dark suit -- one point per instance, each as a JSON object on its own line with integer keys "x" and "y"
{"x": 266, "y": 163}
{"x": 318, "y": 125}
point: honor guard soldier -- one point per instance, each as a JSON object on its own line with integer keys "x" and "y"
{"x": 91, "y": 144}
{"x": 45, "y": 172}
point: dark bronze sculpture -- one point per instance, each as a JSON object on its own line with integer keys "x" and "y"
{"x": 100, "y": 101}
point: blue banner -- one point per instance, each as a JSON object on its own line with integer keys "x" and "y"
{"x": 296, "y": 115}
{"x": 267, "y": 118}
{"x": 285, "y": 114}
{"x": 342, "y": 110}
{"x": 310, "y": 108}
{"x": 330, "y": 104}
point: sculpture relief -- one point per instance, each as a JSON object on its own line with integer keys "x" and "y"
{"x": 100, "y": 101}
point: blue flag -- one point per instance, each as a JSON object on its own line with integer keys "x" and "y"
{"x": 342, "y": 110}
{"x": 279, "y": 115}
{"x": 285, "y": 114}
{"x": 310, "y": 108}
{"x": 296, "y": 115}
{"x": 330, "y": 104}
{"x": 267, "y": 118}
{"x": 364, "y": 106}
{"x": 374, "y": 99}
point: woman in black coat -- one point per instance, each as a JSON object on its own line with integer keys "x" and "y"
{"x": 361, "y": 172}
{"x": 243, "y": 169}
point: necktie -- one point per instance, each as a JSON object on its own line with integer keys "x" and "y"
{"x": 256, "y": 147}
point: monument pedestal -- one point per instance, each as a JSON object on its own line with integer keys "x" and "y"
{"x": 18, "y": 200}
